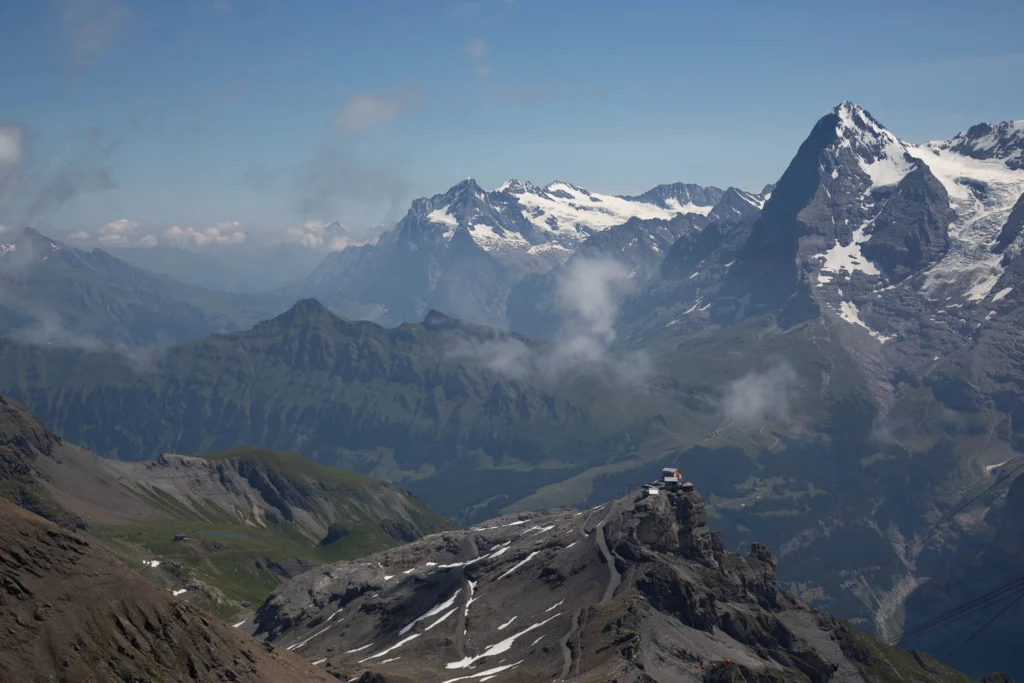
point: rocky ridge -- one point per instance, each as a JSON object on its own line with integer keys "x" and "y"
{"x": 637, "y": 589}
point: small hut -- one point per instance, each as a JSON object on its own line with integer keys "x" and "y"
{"x": 687, "y": 487}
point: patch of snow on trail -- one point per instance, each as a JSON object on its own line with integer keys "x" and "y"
{"x": 441, "y": 618}
{"x": 242, "y": 622}
{"x": 498, "y": 648}
{"x": 179, "y": 592}
{"x": 528, "y": 558}
{"x": 306, "y": 641}
{"x": 392, "y": 648}
{"x": 359, "y": 649}
{"x": 486, "y": 675}
{"x": 507, "y": 624}
{"x": 436, "y": 609}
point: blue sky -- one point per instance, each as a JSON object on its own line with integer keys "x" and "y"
{"x": 257, "y": 115}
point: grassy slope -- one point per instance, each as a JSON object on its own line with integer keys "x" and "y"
{"x": 227, "y": 558}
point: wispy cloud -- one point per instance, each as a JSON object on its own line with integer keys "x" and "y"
{"x": 588, "y": 298}
{"x": 120, "y": 233}
{"x": 91, "y": 27}
{"x": 760, "y": 396}
{"x": 221, "y": 6}
{"x": 336, "y": 174}
{"x": 362, "y": 112}
{"x": 80, "y": 236}
{"x": 12, "y": 154}
{"x": 222, "y": 234}
{"x": 477, "y": 51}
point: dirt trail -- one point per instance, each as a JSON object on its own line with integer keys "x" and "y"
{"x": 614, "y": 578}
{"x": 566, "y": 650}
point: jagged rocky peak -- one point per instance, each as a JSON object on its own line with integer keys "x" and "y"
{"x": 1003, "y": 141}
{"x": 881, "y": 155}
{"x": 513, "y": 186}
{"x": 686, "y": 197}
{"x": 634, "y": 589}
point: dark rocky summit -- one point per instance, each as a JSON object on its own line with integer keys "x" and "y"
{"x": 637, "y": 589}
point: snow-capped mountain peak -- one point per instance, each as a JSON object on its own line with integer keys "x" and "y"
{"x": 985, "y": 141}
{"x": 881, "y": 155}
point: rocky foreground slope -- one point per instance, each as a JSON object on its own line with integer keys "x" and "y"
{"x": 255, "y": 516}
{"x": 638, "y": 589}
{"x": 70, "y": 611}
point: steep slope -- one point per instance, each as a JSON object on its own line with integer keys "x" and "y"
{"x": 53, "y": 293}
{"x": 637, "y": 589}
{"x": 895, "y": 265}
{"x": 460, "y": 252}
{"x": 73, "y": 612}
{"x": 463, "y": 415}
{"x": 988, "y": 573}
{"x": 255, "y": 516}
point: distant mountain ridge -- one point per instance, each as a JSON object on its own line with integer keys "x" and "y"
{"x": 462, "y": 251}
{"x": 51, "y": 292}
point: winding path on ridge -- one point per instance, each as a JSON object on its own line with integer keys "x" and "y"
{"x": 614, "y": 578}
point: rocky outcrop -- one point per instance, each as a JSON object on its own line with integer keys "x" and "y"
{"x": 637, "y": 589}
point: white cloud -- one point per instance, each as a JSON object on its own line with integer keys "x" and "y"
{"x": 477, "y": 50}
{"x": 760, "y": 396}
{"x": 222, "y": 7}
{"x": 12, "y": 153}
{"x": 222, "y": 234}
{"x": 80, "y": 236}
{"x": 12, "y": 145}
{"x": 121, "y": 233}
{"x": 588, "y": 298}
{"x": 321, "y": 235}
{"x": 363, "y": 111}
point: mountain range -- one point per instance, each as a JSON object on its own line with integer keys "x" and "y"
{"x": 834, "y": 359}
{"x": 52, "y": 293}
{"x": 638, "y": 588}
{"x": 461, "y": 252}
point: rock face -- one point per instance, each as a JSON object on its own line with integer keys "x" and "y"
{"x": 912, "y": 230}
{"x": 637, "y": 589}
{"x": 70, "y": 611}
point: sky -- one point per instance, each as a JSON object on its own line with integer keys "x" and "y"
{"x": 224, "y": 122}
